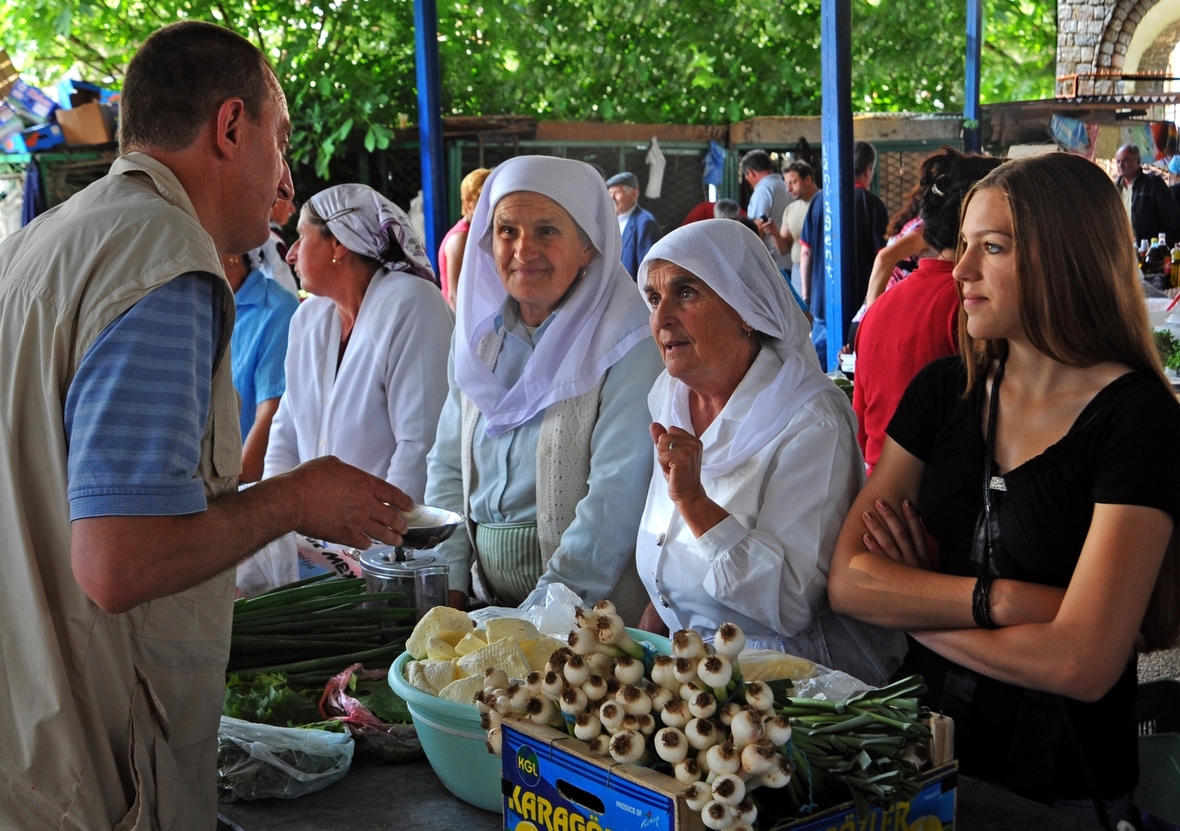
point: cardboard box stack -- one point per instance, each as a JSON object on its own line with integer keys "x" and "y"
{"x": 31, "y": 121}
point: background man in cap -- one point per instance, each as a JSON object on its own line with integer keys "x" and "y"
{"x": 638, "y": 227}
{"x": 121, "y": 451}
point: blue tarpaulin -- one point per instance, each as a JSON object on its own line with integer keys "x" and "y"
{"x": 714, "y": 165}
{"x": 34, "y": 203}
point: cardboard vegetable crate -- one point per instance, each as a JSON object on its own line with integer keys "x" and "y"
{"x": 551, "y": 782}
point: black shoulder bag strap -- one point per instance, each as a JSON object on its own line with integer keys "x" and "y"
{"x": 987, "y": 530}
{"x": 986, "y": 541}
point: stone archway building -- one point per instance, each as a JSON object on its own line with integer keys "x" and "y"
{"x": 1098, "y": 36}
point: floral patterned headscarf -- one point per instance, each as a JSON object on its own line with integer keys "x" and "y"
{"x": 366, "y": 222}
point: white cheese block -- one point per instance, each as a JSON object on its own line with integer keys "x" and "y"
{"x": 462, "y": 690}
{"x": 505, "y": 655}
{"x": 510, "y": 628}
{"x": 470, "y": 643}
{"x": 430, "y": 676}
{"x": 439, "y": 650}
{"x": 537, "y": 652}
{"x": 439, "y": 620}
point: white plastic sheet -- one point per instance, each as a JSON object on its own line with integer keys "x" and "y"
{"x": 550, "y": 608}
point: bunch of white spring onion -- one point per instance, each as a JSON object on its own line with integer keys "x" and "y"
{"x": 720, "y": 735}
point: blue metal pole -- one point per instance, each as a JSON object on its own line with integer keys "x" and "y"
{"x": 839, "y": 234}
{"x": 434, "y": 186}
{"x": 972, "y": 133}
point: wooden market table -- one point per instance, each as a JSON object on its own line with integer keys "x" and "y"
{"x": 409, "y": 797}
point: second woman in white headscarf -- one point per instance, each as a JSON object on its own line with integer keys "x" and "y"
{"x": 542, "y": 442}
{"x": 757, "y": 457}
{"x": 366, "y": 364}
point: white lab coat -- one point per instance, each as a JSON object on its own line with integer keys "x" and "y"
{"x": 765, "y": 566}
{"x": 380, "y": 410}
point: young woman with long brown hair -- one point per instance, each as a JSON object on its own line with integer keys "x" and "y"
{"x": 1019, "y": 523}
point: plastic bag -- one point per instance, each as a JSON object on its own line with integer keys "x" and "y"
{"x": 275, "y": 564}
{"x": 810, "y": 680}
{"x": 830, "y": 684}
{"x": 257, "y": 761}
{"x": 376, "y": 741}
{"x": 773, "y": 665}
{"x": 550, "y": 608}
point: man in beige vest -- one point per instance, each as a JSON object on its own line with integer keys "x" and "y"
{"x": 120, "y": 450}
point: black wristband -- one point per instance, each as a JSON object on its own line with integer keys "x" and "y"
{"x": 981, "y": 608}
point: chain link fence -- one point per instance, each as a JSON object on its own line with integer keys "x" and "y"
{"x": 64, "y": 174}
{"x": 681, "y": 188}
{"x": 396, "y": 171}
{"x": 897, "y": 174}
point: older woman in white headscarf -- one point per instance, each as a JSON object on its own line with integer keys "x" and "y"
{"x": 542, "y": 442}
{"x": 757, "y": 455}
{"x": 367, "y": 355}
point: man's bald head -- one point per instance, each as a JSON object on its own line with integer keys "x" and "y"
{"x": 1128, "y": 162}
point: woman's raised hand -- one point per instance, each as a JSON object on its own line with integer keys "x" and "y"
{"x": 899, "y": 536}
{"x": 679, "y": 454}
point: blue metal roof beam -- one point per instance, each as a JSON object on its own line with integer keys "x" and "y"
{"x": 839, "y": 234}
{"x": 430, "y": 130}
{"x": 972, "y": 132}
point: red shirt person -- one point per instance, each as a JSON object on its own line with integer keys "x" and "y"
{"x": 915, "y": 321}
{"x": 911, "y": 325}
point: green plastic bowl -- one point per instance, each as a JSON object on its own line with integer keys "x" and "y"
{"x": 453, "y": 740}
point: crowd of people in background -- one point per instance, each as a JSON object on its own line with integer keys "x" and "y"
{"x": 641, "y": 418}
{"x": 753, "y": 506}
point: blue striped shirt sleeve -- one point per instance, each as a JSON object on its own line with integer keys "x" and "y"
{"x": 137, "y": 407}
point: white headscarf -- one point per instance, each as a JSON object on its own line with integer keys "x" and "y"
{"x": 595, "y": 326}
{"x": 734, "y": 262}
{"x": 366, "y": 222}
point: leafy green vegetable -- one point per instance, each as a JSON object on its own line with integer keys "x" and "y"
{"x": 313, "y": 629}
{"x": 1165, "y": 343}
{"x": 266, "y": 699}
{"x": 781, "y": 687}
{"x": 1168, "y": 348}
{"x": 865, "y": 746}
{"x": 380, "y": 699}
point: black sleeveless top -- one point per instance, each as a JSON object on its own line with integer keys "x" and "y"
{"x": 1124, "y": 448}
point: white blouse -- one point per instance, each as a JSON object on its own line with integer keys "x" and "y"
{"x": 379, "y": 410}
{"x": 765, "y": 567}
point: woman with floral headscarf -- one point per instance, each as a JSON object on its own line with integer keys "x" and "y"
{"x": 756, "y": 453}
{"x": 366, "y": 361}
{"x": 541, "y": 444}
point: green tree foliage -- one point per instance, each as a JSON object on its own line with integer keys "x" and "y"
{"x": 348, "y": 65}
{"x": 715, "y": 61}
